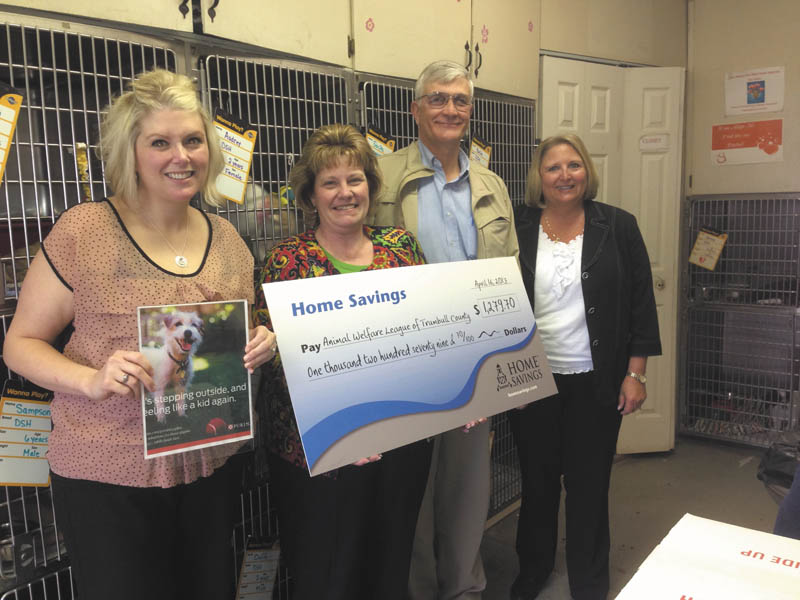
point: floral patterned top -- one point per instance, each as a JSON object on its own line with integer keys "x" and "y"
{"x": 300, "y": 257}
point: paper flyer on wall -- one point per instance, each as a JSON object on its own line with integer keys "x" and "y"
{"x": 758, "y": 90}
{"x": 378, "y": 359}
{"x": 203, "y": 392}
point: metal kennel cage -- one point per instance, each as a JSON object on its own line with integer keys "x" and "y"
{"x": 67, "y": 75}
{"x": 285, "y": 102}
{"x": 743, "y": 348}
{"x": 66, "y": 78}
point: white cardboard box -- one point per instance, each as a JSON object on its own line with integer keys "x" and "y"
{"x": 701, "y": 559}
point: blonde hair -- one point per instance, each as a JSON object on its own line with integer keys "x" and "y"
{"x": 326, "y": 147}
{"x": 151, "y": 92}
{"x": 533, "y": 192}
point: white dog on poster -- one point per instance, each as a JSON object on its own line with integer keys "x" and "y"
{"x": 181, "y": 334}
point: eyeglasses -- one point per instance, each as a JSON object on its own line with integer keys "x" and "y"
{"x": 440, "y": 99}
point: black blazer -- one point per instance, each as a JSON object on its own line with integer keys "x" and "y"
{"x": 617, "y": 289}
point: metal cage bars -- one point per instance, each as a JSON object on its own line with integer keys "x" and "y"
{"x": 66, "y": 79}
{"x": 742, "y": 361}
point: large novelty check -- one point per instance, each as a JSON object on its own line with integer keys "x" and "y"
{"x": 378, "y": 359}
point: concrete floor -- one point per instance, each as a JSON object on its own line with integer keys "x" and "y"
{"x": 649, "y": 494}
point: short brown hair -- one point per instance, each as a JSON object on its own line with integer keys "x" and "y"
{"x": 150, "y": 92}
{"x": 533, "y": 192}
{"x": 327, "y": 146}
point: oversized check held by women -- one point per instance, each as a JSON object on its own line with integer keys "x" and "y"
{"x": 378, "y": 359}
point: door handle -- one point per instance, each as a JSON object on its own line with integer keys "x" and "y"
{"x": 469, "y": 53}
{"x": 660, "y": 283}
{"x": 480, "y": 59}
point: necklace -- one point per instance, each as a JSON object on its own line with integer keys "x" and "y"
{"x": 180, "y": 259}
{"x": 554, "y": 236}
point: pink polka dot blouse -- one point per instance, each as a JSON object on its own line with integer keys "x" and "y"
{"x": 110, "y": 276}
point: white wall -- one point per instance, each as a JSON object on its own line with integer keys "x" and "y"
{"x": 651, "y": 32}
{"x": 731, "y": 36}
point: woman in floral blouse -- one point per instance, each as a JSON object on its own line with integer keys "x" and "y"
{"x": 346, "y": 534}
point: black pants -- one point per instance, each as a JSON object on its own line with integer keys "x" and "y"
{"x": 575, "y": 434}
{"x": 130, "y": 543}
{"x": 350, "y": 537}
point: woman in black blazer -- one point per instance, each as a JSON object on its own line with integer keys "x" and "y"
{"x": 587, "y": 274}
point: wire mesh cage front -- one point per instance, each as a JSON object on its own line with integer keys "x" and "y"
{"x": 52, "y": 586}
{"x": 285, "y": 104}
{"x": 66, "y": 79}
{"x": 742, "y": 374}
{"x": 507, "y": 125}
{"x": 761, "y": 258}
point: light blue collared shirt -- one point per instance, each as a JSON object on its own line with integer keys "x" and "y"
{"x": 445, "y": 229}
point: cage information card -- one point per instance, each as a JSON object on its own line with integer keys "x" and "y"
{"x": 379, "y": 359}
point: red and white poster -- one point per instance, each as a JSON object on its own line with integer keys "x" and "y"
{"x": 749, "y": 142}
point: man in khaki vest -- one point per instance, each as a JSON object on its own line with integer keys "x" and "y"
{"x": 458, "y": 210}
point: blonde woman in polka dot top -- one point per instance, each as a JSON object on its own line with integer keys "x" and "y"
{"x": 135, "y": 528}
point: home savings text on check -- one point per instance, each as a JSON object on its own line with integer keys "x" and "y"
{"x": 378, "y": 359}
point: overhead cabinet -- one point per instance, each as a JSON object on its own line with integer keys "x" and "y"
{"x": 497, "y": 41}
{"x": 308, "y": 28}
{"x": 166, "y": 14}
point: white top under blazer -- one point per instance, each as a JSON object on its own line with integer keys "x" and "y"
{"x": 559, "y": 308}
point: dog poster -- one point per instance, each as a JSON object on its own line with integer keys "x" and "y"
{"x": 202, "y": 393}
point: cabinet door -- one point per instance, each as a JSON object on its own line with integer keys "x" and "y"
{"x": 505, "y": 45}
{"x": 169, "y": 14}
{"x": 401, "y": 38}
{"x": 307, "y": 28}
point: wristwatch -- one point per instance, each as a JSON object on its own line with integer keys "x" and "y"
{"x": 638, "y": 377}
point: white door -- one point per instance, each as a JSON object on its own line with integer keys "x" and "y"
{"x": 652, "y": 142}
{"x": 632, "y": 122}
{"x": 586, "y": 99}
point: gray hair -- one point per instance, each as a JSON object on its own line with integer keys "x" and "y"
{"x": 441, "y": 71}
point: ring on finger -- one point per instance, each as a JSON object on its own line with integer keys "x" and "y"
{"x": 125, "y": 378}
{"x": 274, "y": 348}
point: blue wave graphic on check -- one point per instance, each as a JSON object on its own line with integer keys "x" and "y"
{"x": 334, "y": 427}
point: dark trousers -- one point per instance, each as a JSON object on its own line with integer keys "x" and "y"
{"x": 350, "y": 537}
{"x": 573, "y": 434}
{"x": 130, "y": 543}
{"x": 788, "y": 522}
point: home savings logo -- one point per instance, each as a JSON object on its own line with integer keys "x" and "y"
{"x": 520, "y": 372}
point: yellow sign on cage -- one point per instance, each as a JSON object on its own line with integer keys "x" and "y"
{"x": 237, "y": 143}
{"x": 9, "y": 112}
{"x": 707, "y": 248}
